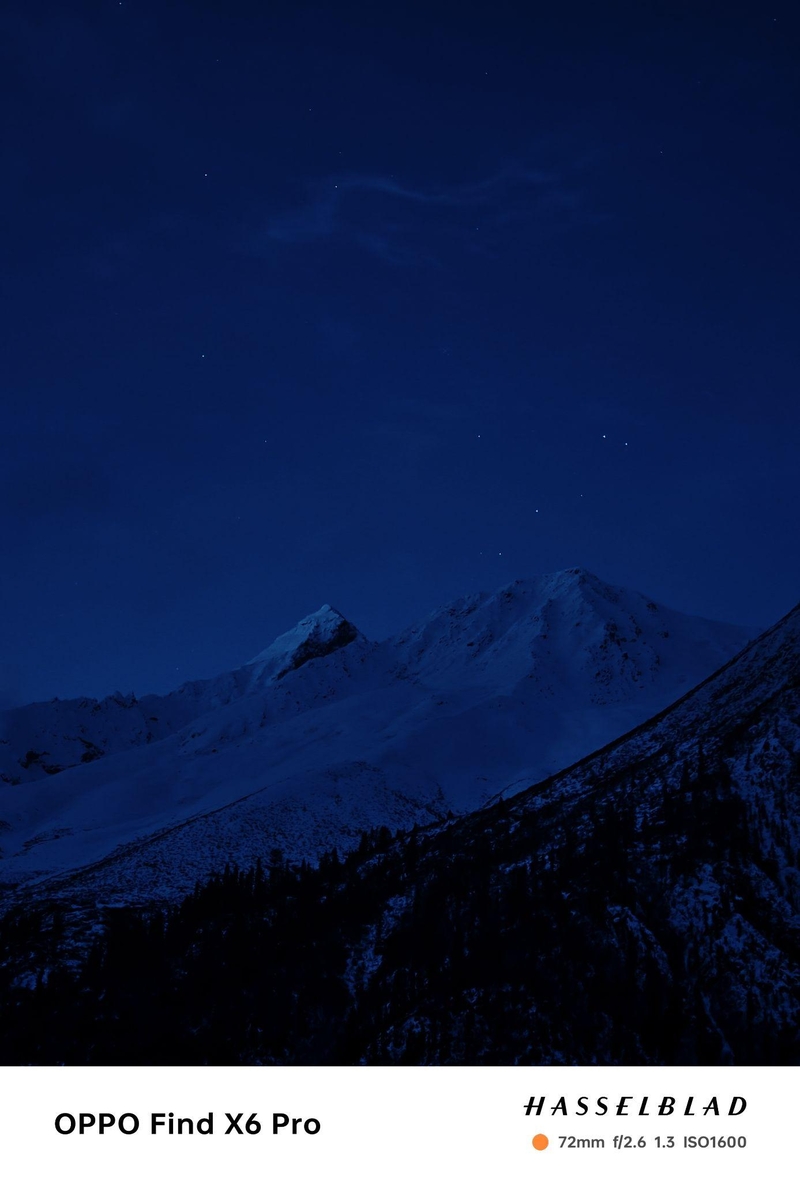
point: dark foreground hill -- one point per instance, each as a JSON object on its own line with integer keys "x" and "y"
{"x": 640, "y": 907}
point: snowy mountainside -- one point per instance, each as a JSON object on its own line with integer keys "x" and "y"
{"x": 49, "y": 737}
{"x": 309, "y": 815}
{"x": 665, "y": 868}
{"x": 640, "y": 907}
{"x": 487, "y": 693}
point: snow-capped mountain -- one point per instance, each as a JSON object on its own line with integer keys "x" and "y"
{"x": 325, "y": 734}
{"x": 49, "y": 737}
{"x": 640, "y": 907}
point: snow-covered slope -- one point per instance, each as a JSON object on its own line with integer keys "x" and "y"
{"x": 664, "y": 870}
{"x": 325, "y": 733}
{"x": 641, "y": 907}
{"x": 49, "y": 737}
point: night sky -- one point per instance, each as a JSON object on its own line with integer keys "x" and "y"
{"x": 379, "y": 305}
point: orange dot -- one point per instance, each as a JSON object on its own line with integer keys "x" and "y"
{"x": 540, "y": 1142}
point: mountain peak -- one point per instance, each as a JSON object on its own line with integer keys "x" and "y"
{"x": 487, "y": 693}
{"x": 574, "y": 576}
{"x": 316, "y": 635}
{"x": 556, "y": 582}
{"x": 579, "y": 573}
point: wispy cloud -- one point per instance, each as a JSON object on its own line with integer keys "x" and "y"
{"x": 399, "y": 223}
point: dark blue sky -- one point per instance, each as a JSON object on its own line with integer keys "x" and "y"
{"x": 379, "y": 305}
